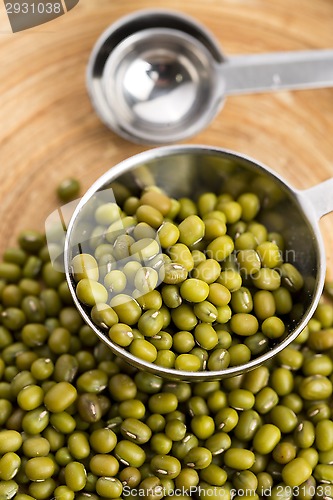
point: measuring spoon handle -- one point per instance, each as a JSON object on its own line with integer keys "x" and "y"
{"x": 321, "y": 197}
{"x": 277, "y": 71}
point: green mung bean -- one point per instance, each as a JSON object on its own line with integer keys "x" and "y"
{"x": 296, "y": 472}
{"x": 68, "y": 189}
{"x": 248, "y": 425}
{"x": 75, "y": 476}
{"x": 239, "y": 459}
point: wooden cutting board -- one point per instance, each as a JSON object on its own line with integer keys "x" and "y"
{"x": 48, "y": 129}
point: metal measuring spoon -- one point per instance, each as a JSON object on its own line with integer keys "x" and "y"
{"x": 158, "y": 77}
{"x": 188, "y": 171}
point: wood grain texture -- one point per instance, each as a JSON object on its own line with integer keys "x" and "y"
{"x": 48, "y": 129}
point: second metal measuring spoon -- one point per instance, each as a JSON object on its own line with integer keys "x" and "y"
{"x": 158, "y": 77}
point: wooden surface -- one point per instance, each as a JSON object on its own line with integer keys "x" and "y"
{"x": 49, "y": 131}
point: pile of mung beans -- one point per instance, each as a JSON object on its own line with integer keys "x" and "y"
{"x": 78, "y": 423}
{"x": 187, "y": 285}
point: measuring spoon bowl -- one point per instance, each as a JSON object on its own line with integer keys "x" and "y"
{"x": 188, "y": 171}
{"x": 158, "y": 77}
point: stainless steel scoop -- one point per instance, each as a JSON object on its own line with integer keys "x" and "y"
{"x": 158, "y": 77}
{"x": 190, "y": 171}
